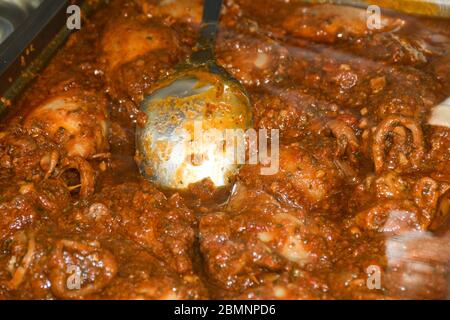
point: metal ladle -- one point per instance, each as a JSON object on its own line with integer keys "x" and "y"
{"x": 182, "y": 138}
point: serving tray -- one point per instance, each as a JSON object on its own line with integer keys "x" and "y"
{"x": 33, "y": 43}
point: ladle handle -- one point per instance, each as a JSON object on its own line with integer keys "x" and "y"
{"x": 204, "y": 50}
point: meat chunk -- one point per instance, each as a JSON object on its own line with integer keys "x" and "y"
{"x": 141, "y": 276}
{"x": 404, "y": 48}
{"x": 256, "y": 237}
{"x": 16, "y": 214}
{"x": 21, "y": 153}
{"x": 79, "y": 270}
{"x": 163, "y": 226}
{"x": 293, "y": 285}
{"x": 293, "y": 112}
{"x": 126, "y": 39}
{"x": 335, "y": 22}
{"x": 128, "y": 86}
{"x": 393, "y": 204}
{"x": 189, "y": 11}
{"x": 253, "y": 61}
{"x": 77, "y": 121}
{"x": 305, "y": 179}
{"x": 439, "y": 140}
{"x": 404, "y": 137}
{"x": 416, "y": 104}
{"x": 136, "y": 52}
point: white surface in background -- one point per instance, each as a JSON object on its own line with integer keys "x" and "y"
{"x": 6, "y": 28}
{"x": 440, "y": 116}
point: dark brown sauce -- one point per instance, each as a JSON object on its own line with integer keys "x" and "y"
{"x": 309, "y": 232}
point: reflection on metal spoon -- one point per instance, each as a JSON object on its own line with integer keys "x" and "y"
{"x": 183, "y": 139}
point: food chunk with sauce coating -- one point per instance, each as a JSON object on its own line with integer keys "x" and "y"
{"x": 77, "y": 121}
{"x": 305, "y": 179}
{"x": 189, "y": 11}
{"x": 257, "y": 236}
{"x": 163, "y": 226}
{"x": 329, "y": 23}
{"x": 253, "y": 61}
{"x": 126, "y": 39}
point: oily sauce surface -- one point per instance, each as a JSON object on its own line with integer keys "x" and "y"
{"x": 363, "y": 184}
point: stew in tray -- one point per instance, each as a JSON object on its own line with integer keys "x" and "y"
{"x": 357, "y": 210}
